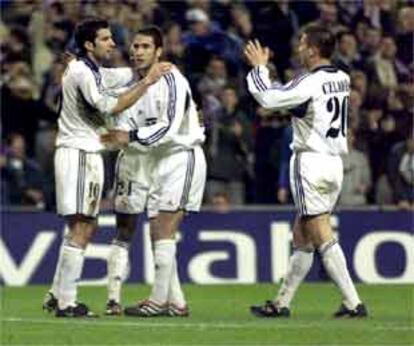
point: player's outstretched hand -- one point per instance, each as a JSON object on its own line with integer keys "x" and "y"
{"x": 157, "y": 71}
{"x": 255, "y": 54}
{"x": 116, "y": 138}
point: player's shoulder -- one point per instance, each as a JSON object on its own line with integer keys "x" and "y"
{"x": 79, "y": 67}
{"x": 175, "y": 76}
{"x": 327, "y": 71}
{"x": 302, "y": 77}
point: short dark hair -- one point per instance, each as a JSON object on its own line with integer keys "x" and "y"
{"x": 155, "y": 32}
{"x": 321, "y": 38}
{"x": 87, "y": 30}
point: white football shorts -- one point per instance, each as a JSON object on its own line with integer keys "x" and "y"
{"x": 315, "y": 182}
{"x": 171, "y": 183}
{"x": 179, "y": 184}
{"x": 79, "y": 179}
{"x": 134, "y": 175}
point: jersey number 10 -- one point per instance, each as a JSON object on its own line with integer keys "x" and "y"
{"x": 339, "y": 109}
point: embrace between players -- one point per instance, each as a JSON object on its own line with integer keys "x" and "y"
{"x": 148, "y": 112}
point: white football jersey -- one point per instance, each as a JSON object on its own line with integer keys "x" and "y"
{"x": 165, "y": 117}
{"x": 319, "y": 102}
{"x": 87, "y": 103}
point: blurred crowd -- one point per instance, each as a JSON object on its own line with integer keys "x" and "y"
{"x": 247, "y": 146}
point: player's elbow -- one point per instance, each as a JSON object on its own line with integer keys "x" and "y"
{"x": 265, "y": 102}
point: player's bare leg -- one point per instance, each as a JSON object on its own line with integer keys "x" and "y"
{"x": 319, "y": 229}
{"x": 118, "y": 261}
{"x": 299, "y": 265}
{"x": 81, "y": 230}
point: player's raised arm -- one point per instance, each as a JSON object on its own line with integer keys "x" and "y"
{"x": 275, "y": 96}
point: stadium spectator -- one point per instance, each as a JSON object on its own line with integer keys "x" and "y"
{"x": 347, "y": 11}
{"x": 229, "y": 149}
{"x": 370, "y": 44}
{"x": 269, "y": 133}
{"x": 204, "y": 40}
{"x": 377, "y": 13}
{"x": 45, "y": 150}
{"x": 21, "y": 176}
{"x": 376, "y": 137}
{"x": 359, "y": 83}
{"x": 401, "y": 173}
{"x": 20, "y": 111}
{"x": 109, "y": 10}
{"x": 406, "y": 170}
{"x": 387, "y": 74}
{"x": 276, "y": 16}
{"x": 328, "y": 17}
{"x": 153, "y": 12}
{"x": 52, "y": 88}
{"x": 17, "y": 45}
{"x": 346, "y": 56}
{"x": 174, "y": 47}
{"x": 283, "y": 191}
{"x": 210, "y": 86}
{"x": 220, "y": 202}
{"x": 354, "y": 112}
{"x": 357, "y": 175}
{"x": 241, "y": 25}
{"x": 404, "y": 38}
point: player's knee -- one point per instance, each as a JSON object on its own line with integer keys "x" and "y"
{"x": 82, "y": 230}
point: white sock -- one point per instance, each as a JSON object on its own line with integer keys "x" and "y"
{"x": 117, "y": 265}
{"x": 164, "y": 254}
{"x": 175, "y": 293}
{"x": 55, "y": 283}
{"x": 71, "y": 269}
{"x": 299, "y": 266}
{"x": 335, "y": 264}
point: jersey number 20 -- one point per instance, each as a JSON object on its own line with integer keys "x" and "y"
{"x": 339, "y": 109}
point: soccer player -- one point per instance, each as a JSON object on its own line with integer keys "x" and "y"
{"x": 319, "y": 101}
{"x": 79, "y": 171}
{"x": 163, "y": 168}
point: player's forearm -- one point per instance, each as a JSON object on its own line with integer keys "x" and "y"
{"x": 258, "y": 84}
{"x": 149, "y": 136}
{"x": 258, "y": 79}
{"x": 128, "y": 98}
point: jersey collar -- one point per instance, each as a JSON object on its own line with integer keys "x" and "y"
{"x": 326, "y": 68}
{"x": 91, "y": 64}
